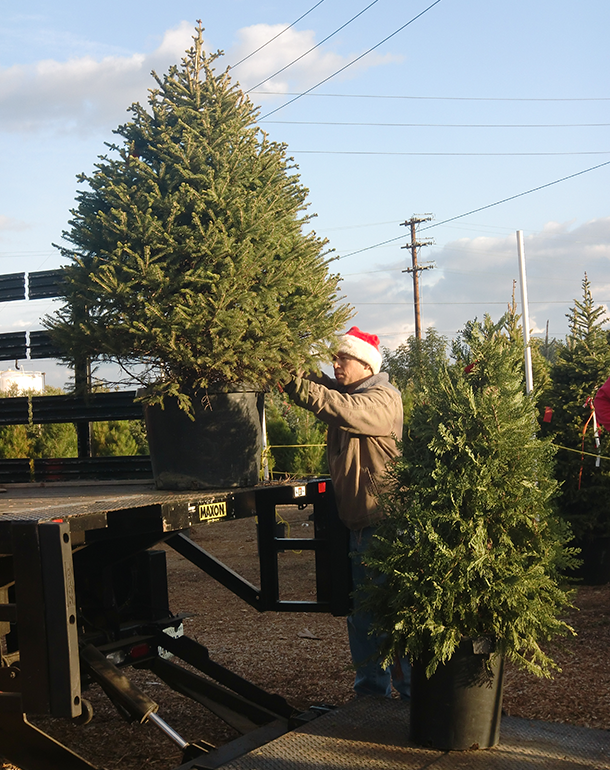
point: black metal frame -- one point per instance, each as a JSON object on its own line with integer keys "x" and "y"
{"x": 80, "y": 410}
{"x": 64, "y": 623}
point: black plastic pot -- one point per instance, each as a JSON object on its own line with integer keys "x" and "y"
{"x": 460, "y": 706}
{"x": 220, "y": 448}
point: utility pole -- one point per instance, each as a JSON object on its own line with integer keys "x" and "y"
{"x": 415, "y": 269}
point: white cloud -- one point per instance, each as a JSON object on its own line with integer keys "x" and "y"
{"x": 83, "y": 93}
{"x": 313, "y": 67}
{"x": 475, "y": 276}
{"x": 87, "y": 94}
{"x": 8, "y": 223}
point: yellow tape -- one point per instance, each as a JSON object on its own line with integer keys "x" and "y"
{"x": 578, "y": 451}
{"x": 281, "y": 446}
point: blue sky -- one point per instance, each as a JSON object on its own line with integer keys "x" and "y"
{"x": 470, "y": 104}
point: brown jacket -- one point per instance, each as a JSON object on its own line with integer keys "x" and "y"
{"x": 363, "y": 427}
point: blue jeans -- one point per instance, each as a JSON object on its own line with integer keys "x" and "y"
{"x": 371, "y": 678}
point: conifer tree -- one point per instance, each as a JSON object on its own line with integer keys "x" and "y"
{"x": 470, "y": 546}
{"x": 581, "y": 366}
{"x": 413, "y": 362}
{"x": 123, "y": 438}
{"x": 297, "y": 439}
{"x": 191, "y": 252}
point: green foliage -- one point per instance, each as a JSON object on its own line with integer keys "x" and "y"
{"x": 37, "y": 441}
{"x": 471, "y": 546}
{"x": 120, "y": 437}
{"x": 53, "y": 440}
{"x": 193, "y": 265}
{"x": 581, "y": 366}
{"x": 14, "y": 441}
{"x": 413, "y": 363}
{"x": 297, "y": 439}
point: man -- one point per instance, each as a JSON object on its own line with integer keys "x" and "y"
{"x": 364, "y": 415}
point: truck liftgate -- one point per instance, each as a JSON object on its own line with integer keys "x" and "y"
{"x": 66, "y": 563}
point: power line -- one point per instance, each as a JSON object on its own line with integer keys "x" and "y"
{"x": 519, "y": 195}
{"x": 275, "y": 37}
{"x": 342, "y": 69}
{"x": 435, "y": 125}
{"x": 482, "y": 208}
{"x": 445, "y": 98}
{"x": 452, "y": 271}
{"x": 16, "y": 254}
{"x": 314, "y": 47}
{"x": 478, "y": 302}
{"x": 447, "y": 154}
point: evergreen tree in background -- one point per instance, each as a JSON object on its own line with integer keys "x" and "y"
{"x": 15, "y": 442}
{"x": 413, "y": 363}
{"x": 471, "y": 546}
{"x": 119, "y": 438}
{"x": 193, "y": 264}
{"x": 296, "y": 438}
{"x": 581, "y": 366}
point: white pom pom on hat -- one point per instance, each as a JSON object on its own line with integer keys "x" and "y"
{"x": 363, "y": 346}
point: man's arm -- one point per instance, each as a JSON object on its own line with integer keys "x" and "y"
{"x": 369, "y": 413}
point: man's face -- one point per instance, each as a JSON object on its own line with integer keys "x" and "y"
{"x": 349, "y": 371}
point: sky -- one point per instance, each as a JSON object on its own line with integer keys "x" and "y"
{"x": 489, "y": 118}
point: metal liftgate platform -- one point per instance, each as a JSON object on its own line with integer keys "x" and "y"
{"x": 67, "y": 555}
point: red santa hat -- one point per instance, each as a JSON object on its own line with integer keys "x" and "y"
{"x": 363, "y": 346}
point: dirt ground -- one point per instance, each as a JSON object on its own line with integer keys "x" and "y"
{"x": 305, "y": 657}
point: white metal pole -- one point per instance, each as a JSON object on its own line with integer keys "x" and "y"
{"x": 529, "y": 377}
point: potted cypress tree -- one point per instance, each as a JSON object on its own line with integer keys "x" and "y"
{"x": 194, "y": 268}
{"x": 471, "y": 551}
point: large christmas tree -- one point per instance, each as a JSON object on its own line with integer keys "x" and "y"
{"x": 193, "y": 263}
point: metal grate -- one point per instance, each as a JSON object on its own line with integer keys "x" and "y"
{"x": 100, "y": 468}
{"x": 15, "y": 471}
{"x": 373, "y": 734}
{"x": 44, "y": 283}
{"x": 12, "y": 286}
{"x": 96, "y": 407}
{"x": 14, "y": 411}
{"x": 42, "y": 346}
{"x": 13, "y": 345}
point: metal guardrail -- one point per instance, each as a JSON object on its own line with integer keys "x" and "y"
{"x": 20, "y": 410}
{"x": 22, "y": 286}
{"x": 37, "y": 285}
{"x": 92, "y": 408}
{"x": 38, "y": 410}
{"x": 41, "y": 471}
